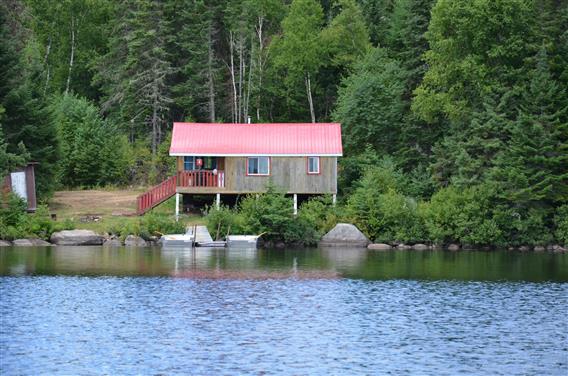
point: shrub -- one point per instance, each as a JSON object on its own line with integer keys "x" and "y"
{"x": 224, "y": 220}
{"x": 15, "y": 223}
{"x": 320, "y": 214}
{"x": 465, "y": 216}
{"x": 561, "y": 224}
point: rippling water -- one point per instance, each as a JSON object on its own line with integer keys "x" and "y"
{"x": 94, "y": 311}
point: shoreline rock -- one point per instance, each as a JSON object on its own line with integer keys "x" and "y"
{"x": 5, "y": 243}
{"x": 379, "y": 247}
{"x": 76, "y": 237}
{"x": 31, "y": 243}
{"x": 344, "y": 235}
{"x": 135, "y": 241}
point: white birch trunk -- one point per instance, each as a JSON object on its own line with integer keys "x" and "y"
{"x": 72, "y": 57}
{"x": 310, "y": 100}
{"x": 48, "y": 68}
{"x": 232, "y": 69}
{"x": 210, "y": 82}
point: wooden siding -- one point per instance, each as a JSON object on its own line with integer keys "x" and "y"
{"x": 290, "y": 173}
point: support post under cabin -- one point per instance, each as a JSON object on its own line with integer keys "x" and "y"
{"x": 295, "y": 204}
{"x": 218, "y": 201}
{"x": 334, "y": 199}
{"x": 177, "y": 206}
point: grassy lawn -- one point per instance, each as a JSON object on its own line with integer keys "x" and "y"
{"x": 114, "y": 207}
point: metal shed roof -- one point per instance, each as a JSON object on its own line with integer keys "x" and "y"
{"x": 270, "y": 139}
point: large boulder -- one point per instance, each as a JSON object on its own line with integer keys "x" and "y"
{"x": 134, "y": 241}
{"x": 344, "y": 235}
{"x": 31, "y": 243}
{"x": 5, "y": 243}
{"x": 76, "y": 237}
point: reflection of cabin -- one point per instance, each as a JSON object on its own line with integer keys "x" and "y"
{"x": 232, "y": 159}
{"x": 22, "y": 183}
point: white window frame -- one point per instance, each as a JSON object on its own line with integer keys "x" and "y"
{"x": 318, "y": 165}
{"x": 248, "y": 173}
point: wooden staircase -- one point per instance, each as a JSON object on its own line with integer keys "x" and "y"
{"x": 156, "y": 195}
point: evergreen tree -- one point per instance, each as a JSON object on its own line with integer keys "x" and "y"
{"x": 24, "y": 120}
{"x": 477, "y": 48}
{"x": 535, "y": 165}
{"x": 370, "y": 105}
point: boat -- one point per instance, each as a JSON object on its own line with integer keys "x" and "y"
{"x": 242, "y": 241}
{"x": 177, "y": 240}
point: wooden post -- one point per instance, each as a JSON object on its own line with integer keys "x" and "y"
{"x": 334, "y": 199}
{"x": 177, "y": 206}
{"x": 218, "y": 201}
{"x": 295, "y": 204}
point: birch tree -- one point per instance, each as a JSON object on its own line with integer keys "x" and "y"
{"x": 298, "y": 51}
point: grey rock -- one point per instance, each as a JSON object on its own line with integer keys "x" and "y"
{"x": 344, "y": 235}
{"x": 559, "y": 249}
{"x": 134, "y": 241}
{"x": 524, "y": 248}
{"x": 5, "y": 243}
{"x": 453, "y": 247}
{"x": 539, "y": 248}
{"x": 76, "y": 237}
{"x": 420, "y": 247}
{"x": 31, "y": 243}
{"x": 379, "y": 246}
{"x": 403, "y": 246}
{"x": 113, "y": 242}
{"x": 280, "y": 245}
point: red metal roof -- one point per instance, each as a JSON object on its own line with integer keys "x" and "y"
{"x": 228, "y": 139}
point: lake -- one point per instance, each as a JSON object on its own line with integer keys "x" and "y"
{"x": 94, "y": 310}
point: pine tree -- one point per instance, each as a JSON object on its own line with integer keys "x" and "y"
{"x": 534, "y": 168}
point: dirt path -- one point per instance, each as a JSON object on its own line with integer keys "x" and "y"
{"x": 94, "y": 202}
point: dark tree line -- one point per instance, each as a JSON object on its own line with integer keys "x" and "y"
{"x": 452, "y": 94}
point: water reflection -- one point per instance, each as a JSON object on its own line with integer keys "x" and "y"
{"x": 289, "y": 263}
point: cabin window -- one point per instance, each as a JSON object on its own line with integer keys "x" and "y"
{"x": 313, "y": 165}
{"x": 188, "y": 163}
{"x": 258, "y": 166}
{"x": 209, "y": 163}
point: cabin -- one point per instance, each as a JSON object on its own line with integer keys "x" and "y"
{"x": 235, "y": 159}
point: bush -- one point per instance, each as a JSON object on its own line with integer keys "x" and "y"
{"x": 15, "y": 223}
{"x": 561, "y": 224}
{"x": 320, "y": 214}
{"x": 147, "y": 226}
{"x": 462, "y": 215}
{"x": 379, "y": 209}
{"x": 224, "y": 220}
{"x": 270, "y": 213}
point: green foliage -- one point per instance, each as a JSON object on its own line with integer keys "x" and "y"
{"x": 93, "y": 152}
{"x": 466, "y": 61}
{"x": 151, "y": 224}
{"x": 463, "y": 216}
{"x": 15, "y": 223}
{"x": 381, "y": 212}
{"x": 319, "y": 214}
{"x": 271, "y": 213}
{"x": 224, "y": 221}
{"x": 561, "y": 224}
{"x": 370, "y": 105}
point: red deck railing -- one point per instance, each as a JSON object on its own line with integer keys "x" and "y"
{"x": 166, "y": 189}
{"x": 156, "y": 195}
{"x": 202, "y": 178}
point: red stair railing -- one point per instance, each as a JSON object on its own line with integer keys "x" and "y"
{"x": 156, "y": 195}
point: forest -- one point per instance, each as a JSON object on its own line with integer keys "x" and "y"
{"x": 454, "y": 112}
